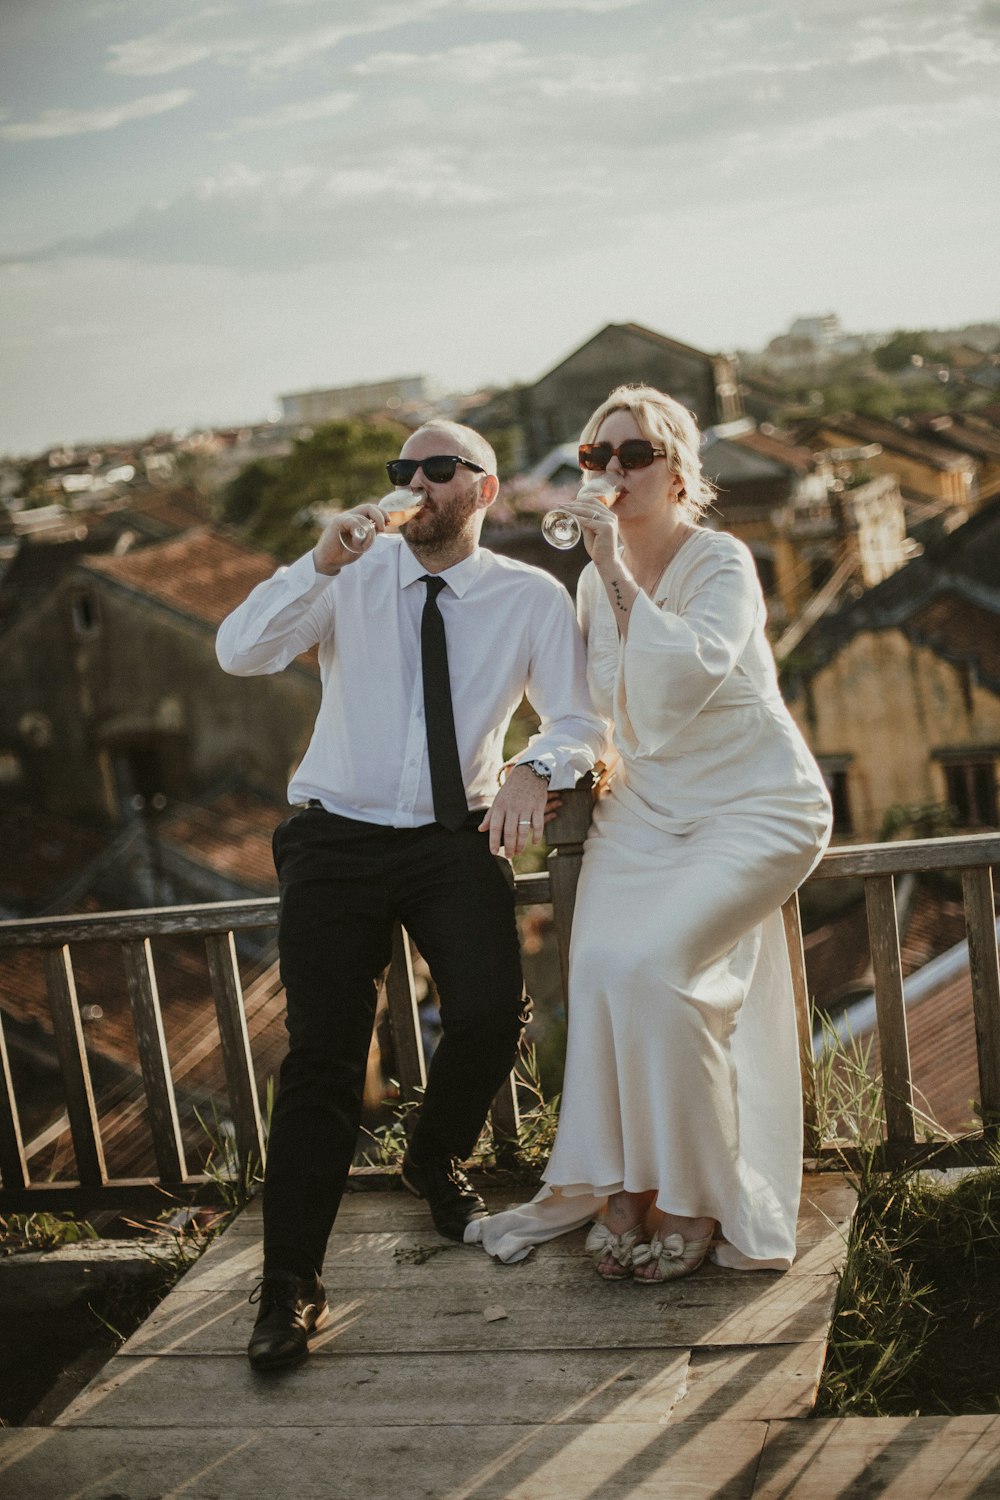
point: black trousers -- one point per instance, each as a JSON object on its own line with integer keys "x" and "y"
{"x": 343, "y": 884}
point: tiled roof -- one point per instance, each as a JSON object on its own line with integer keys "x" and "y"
{"x": 960, "y": 430}
{"x": 962, "y": 565}
{"x": 636, "y": 328}
{"x": 664, "y": 339}
{"x": 889, "y": 435}
{"x": 838, "y": 961}
{"x": 962, "y": 631}
{"x": 166, "y": 512}
{"x": 943, "y": 1062}
{"x": 230, "y": 834}
{"x": 933, "y": 924}
{"x": 774, "y": 446}
{"x": 838, "y": 954}
{"x": 203, "y": 573}
{"x": 42, "y": 854}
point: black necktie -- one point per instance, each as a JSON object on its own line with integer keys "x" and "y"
{"x": 447, "y": 784}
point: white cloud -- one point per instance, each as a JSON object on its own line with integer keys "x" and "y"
{"x": 150, "y": 56}
{"x": 910, "y": 120}
{"x": 53, "y": 123}
{"x": 309, "y": 43}
{"x": 559, "y": 76}
{"x": 412, "y": 176}
{"x": 594, "y": 7}
{"x": 479, "y": 62}
{"x": 416, "y": 177}
{"x": 302, "y": 112}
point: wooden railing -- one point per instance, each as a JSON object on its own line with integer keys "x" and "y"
{"x": 219, "y": 923}
{"x": 877, "y": 865}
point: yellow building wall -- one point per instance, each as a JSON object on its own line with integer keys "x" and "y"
{"x": 889, "y": 704}
{"x": 947, "y": 485}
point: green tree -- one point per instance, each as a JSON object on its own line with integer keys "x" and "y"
{"x": 246, "y": 495}
{"x": 905, "y": 345}
{"x": 340, "y": 465}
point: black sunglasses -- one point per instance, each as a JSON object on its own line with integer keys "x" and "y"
{"x": 634, "y": 453}
{"x": 438, "y": 469}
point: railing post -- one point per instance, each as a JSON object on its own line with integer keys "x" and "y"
{"x": 984, "y": 969}
{"x": 80, "y": 1107}
{"x": 234, "y": 1041}
{"x": 565, "y": 835}
{"x": 13, "y": 1165}
{"x": 145, "y": 1000}
{"x": 404, "y": 1018}
{"x": 792, "y": 918}
{"x": 883, "y": 936}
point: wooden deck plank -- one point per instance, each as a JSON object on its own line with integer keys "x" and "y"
{"x": 712, "y": 1308}
{"x": 567, "y": 1461}
{"x": 752, "y": 1384}
{"x": 507, "y": 1389}
{"x": 894, "y": 1458}
{"x": 416, "y": 1389}
{"x": 397, "y": 1229}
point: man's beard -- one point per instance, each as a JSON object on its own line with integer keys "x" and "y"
{"x": 440, "y": 526}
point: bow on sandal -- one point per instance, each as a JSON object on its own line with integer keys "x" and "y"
{"x": 673, "y": 1256}
{"x": 621, "y": 1247}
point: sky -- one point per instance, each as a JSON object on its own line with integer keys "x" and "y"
{"x": 205, "y": 205}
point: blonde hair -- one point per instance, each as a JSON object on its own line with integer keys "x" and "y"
{"x": 668, "y": 425}
{"x": 470, "y": 444}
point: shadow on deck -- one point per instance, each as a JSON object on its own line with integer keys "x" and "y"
{"x": 445, "y": 1376}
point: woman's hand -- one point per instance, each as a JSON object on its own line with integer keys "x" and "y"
{"x": 599, "y": 525}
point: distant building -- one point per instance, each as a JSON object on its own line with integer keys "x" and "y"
{"x": 811, "y": 344}
{"x": 803, "y": 516}
{"x": 554, "y": 409}
{"x": 310, "y": 408}
{"x": 898, "y": 693}
{"x": 823, "y": 331}
{"x": 110, "y": 690}
{"x": 927, "y": 470}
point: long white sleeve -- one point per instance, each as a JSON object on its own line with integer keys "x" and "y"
{"x": 283, "y": 616}
{"x": 671, "y": 665}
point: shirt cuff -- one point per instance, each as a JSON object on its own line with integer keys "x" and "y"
{"x": 566, "y": 762}
{"x": 301, "y": 579}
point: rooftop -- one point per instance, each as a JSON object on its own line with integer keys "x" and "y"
{"x": 204, "y": 573}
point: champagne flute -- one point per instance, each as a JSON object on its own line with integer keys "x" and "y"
{"x": 357, "y": 534}
{"x": 398, "y": 507}
{"x": 562, "y": 530}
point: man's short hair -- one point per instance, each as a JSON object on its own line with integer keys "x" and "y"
{"x": 468, "y": 442}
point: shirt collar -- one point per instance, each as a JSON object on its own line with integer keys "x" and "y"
{"x": 459, "y": 578}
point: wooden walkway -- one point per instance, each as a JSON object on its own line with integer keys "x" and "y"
{"x": 443, "y": 1376}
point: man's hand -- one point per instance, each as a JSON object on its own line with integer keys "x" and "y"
{"x": 517, "y": 816}
{"x": 330, "y": 554}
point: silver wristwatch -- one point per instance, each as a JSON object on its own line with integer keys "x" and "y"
{"x": 539, "y": 767}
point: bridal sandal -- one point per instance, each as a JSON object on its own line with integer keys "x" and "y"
{"x": 673, "y": 1257}
{"x": 601, "y": 1243}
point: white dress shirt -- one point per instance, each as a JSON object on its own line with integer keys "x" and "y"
{"x": 511, "y": 631}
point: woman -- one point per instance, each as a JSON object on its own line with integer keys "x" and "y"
{"x": 681, "y": 1119}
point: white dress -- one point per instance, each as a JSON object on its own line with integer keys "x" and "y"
{"x": 682, "y": 1070}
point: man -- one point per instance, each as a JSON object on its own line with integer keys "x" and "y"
{"x": 400, "y": 819}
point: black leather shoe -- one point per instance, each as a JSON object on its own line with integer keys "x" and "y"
{"x": 291, "y": 1307}
{"x": 451, "y": 1198}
